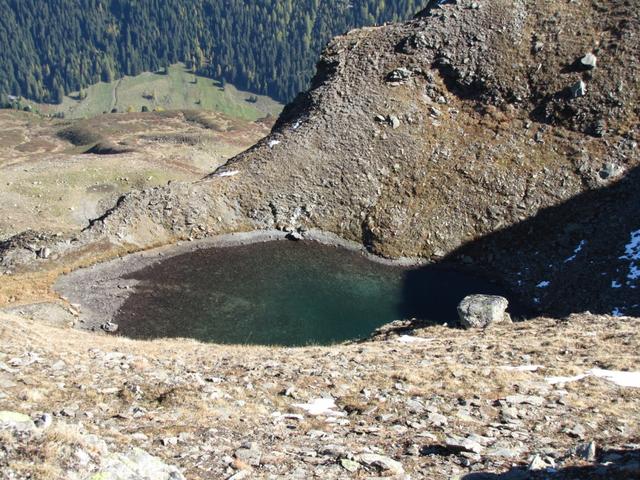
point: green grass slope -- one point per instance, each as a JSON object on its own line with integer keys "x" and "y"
{"x": 177, "y": 89}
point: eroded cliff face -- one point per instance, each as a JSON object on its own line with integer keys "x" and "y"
{"x": 503, "y": 136}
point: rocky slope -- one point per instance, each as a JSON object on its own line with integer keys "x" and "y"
{"x": 416, "y": 403}
{"x": 500, "y": 134}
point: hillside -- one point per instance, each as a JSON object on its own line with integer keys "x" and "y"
{"x": 59, "y": 174}
{"x": 267, "y": 47}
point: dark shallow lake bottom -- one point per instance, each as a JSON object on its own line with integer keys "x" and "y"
{"x": 286, "y": 293}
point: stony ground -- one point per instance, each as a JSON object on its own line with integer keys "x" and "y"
{"x": 415, "y": 402}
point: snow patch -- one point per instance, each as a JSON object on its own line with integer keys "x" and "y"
{"x": 622, "y": 379}
{"x": 412, "y": 339}
{"x": 577, "y": 250}
{"x": 616, "y": 312}
{"x": 632, "y": 253}
{"x": 615, "y": 284}
{"x": 321, "y": 406}
{"x": 523, "y": 368}
{"x": 544, "y": 284}
{"x": 296, "y": 125}
{"x": 231, "y": 173}
{"x": 273, "y": 143}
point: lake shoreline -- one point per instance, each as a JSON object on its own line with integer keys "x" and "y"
{"x": 98, "y": 292}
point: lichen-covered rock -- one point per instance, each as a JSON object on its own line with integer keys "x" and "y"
{"x": 480, "y": 311}
{"x": 16, "y": 421}
{"x": 136, "y": 465}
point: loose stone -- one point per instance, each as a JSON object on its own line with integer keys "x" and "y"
{"x": 589, "y": 61}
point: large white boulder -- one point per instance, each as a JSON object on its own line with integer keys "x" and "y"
{"x": 480, "y": 311}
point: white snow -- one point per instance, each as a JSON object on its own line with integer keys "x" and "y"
{"x": 616, "y": 312}
{"x": 273, "y": 143}
{"x": 412, "y": 339}
{"x": 321, "y": 406}
{"x": 622, "y": 379}
{"x": 544, "y": 284}
{"x": 297, "y": 125}
{"x": 230, "y": 173}
{"x": 577, "y": 250}
{"x": 523, "y": 368}
{"x": 632, "y": 253}
{"x": 615, "y": 284}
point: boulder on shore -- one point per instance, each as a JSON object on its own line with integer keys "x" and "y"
{"x": 480, "y": 311}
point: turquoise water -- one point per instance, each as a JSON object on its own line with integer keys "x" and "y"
{"x": 285, "y": 293}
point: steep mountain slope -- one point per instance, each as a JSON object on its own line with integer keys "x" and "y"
{"x": 474, "y": 135}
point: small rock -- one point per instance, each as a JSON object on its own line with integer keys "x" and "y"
{"x": 44, "y": 421}
{"x": 502, "y": 452}
{"x": 579, "y": 89}
{"x": 16, "y": 421}
{"x": 294, "y": 236}
{"x": 393, "y": 121}
{"x": 385, "y": 464}
{"x": 349, "y": 465}
{"x": 241, "y": 475}
{"x": 526, "y": 399}
{"x": 509, "y": 414}
{"x": 437, "y": 419}
{"x": 135, "y": 465}
{"x": 399, "y": 75}
{"x": 587, "y": 451}
{"x": 589, "y": 61}
{"x": 109, "y": 327}
{"x": 480, "y": 311}
{"x": 44, "y": 253}
{"x": 577, "y": 431}
{"x": 463, "y": 444}
{"x": 169, "y": 441}
{"x": 610, "y": 171}
{"x": 249, "y": 454}
{"x": 537, "y": 463}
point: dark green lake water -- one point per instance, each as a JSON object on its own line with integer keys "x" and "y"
{"x": 285, "y": 293}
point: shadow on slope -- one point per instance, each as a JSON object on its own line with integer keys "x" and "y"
{"x": 573, "y": 257}
{"x": 439, "y": 304}
{"x": 616, "y": 465}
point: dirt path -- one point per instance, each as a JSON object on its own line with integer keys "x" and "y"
{"x": 114, "y": 95}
